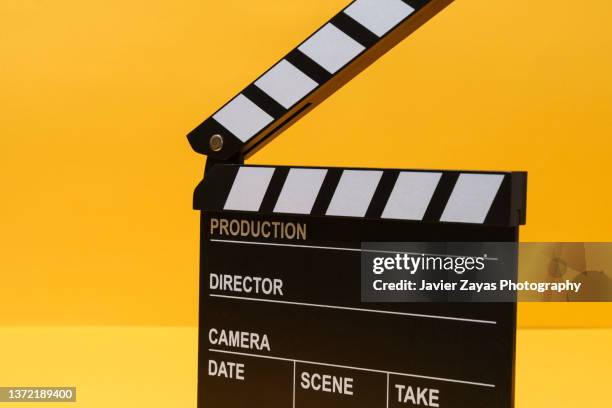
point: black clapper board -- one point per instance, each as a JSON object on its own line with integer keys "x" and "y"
{"x": 281, "y": 259}
{"x": 281, "y": 318}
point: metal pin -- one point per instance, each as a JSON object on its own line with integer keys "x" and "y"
{"x": 216, "y": 143}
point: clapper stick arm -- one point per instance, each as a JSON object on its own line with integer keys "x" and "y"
{"x": 212, "y": 161}
{"x": 338, "y": 51}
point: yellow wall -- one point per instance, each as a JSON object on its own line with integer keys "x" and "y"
{"x": 96, "y": 98}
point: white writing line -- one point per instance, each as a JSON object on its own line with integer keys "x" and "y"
{"x": 294, "y": 364}
{"x": 388, "y": 312}
{"x": 378, "y": 251}
{"x": 387, "y": 390}
{"x": 426, "y": 377}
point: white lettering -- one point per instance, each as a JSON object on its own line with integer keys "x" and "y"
{"x": 256, "y": 229}
{"x": 327, "y": 383}
{"x": 226, "y": 369}
{"x": 246, "y": 284}
{"x": 238, "y": 339}
{"x": 427, "y": 397}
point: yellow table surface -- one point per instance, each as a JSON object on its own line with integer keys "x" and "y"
{"x": 156, "y": 366}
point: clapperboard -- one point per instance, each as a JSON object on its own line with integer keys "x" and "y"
{"x": 282, "y": 322}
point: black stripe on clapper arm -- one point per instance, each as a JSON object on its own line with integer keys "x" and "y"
{"x": 308, "y": 66}
{"x": 212, "y": 192}
{"x": 328, "y": 188}
{"x": 416, "y": 4}
{"x": 354, "y": 30}
{"x": 382, "y": 194}
{"x": 274, "y": 189}
{"x": 499, "y": 213}
{"x": 440, "y": 197}
{"x": 264, "y": 101}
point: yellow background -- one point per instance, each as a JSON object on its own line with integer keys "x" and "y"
{"x": 96, "y": 98}
{"x": 156, "y": 366}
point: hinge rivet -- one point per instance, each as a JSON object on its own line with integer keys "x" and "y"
{"x": 216, "y": 143}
